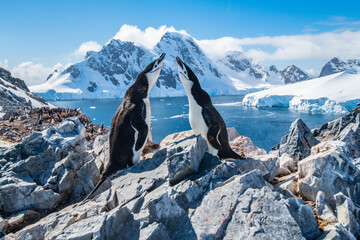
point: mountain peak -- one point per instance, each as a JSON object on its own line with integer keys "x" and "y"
{"x": 292, "y": 74}
{"x": 336, "y": 65}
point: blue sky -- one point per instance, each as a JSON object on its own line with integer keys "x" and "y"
{"x": 48, "y": 32}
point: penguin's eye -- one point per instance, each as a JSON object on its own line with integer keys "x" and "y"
{"x": 155, "y": 66}
{"x": 185, "y": 72}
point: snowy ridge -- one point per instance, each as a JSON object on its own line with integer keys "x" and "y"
{"x": 109, "y": 72}
{"x": 14, "y": 93}
{"x": 338, "y": 92}
{"x": 336, "y": 65}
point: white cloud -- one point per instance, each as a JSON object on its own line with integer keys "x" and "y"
{"x": 313, "y": 72}
{"x": 148, "y": 38}
{"x": 5, "y": 64}
{"x": 291, "y": 47}
{"x": 32, "y": 73}
{"x": 85, "y": 47}
{"x": 218, "y": 47}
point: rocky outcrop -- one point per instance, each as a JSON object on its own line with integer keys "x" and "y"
{"x": 327, "y": 173}
{"x": 179, "y": 192}
{"x": 345, "y": 129}
{"x": 214, "y": 199}
{"x": 297, "y": 144}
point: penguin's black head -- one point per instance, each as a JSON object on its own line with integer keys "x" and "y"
{"x": 152, "y": 71}
{"x": 155, "y": 65}
{"x": 187, "y": 76}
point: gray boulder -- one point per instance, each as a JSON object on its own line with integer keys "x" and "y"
{"x": 348, "y": 214}
{"x": 46, "y": 169}
{"x": 297, "y": 144}
{"x": 184, "y": 157}
{"x": 322, "y": 208}
{"x": 336, "y": 232}
{"x": 261, "y": 214}
{"x": 346, "y": 129}
{"x": 304, "y": 217}
{"x": 331, "y": 172}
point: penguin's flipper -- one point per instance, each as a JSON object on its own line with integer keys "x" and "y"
{"x": 142, "y": 128}
{"x": 213, "y": 136}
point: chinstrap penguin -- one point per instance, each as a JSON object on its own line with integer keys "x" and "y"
{"x": 203, "y": 117}
{"x": 130, "y": 125}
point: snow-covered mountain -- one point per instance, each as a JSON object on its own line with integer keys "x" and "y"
{"x": 15, "y": 93}
{"x": 336, "y": 65}
{"x": 109, "y": 72}
{"x": 338, "y": 92}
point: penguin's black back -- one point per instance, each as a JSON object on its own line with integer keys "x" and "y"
{"x": 211, "y": 117}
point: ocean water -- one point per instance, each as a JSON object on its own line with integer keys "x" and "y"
{"x": 265, "y": 126}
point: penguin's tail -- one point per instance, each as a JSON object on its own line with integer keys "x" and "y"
{"x": 230, "y": 154}
{"x": 102, "y": 180}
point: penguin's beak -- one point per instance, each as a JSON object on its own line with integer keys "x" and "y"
{"x": 161, "y": 58}
{"x": 180, "y": 62}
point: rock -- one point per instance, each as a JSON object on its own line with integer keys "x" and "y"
{"x": 21, "y": 219}
{"x": 287, "y": 165}
{"x": 175, "y": 137}
{"x": 2, "y": 224}
{"x": 245, "y": 147}
{"x": 297, "y": 144}
{"x": 346, "y": 129}
{"x": 288, "y": 186}
{"x": 219, "y": 199}
{"x": 260, "y": 215}
{"x": 322, "y": 208}
{"x": 304, "y": 216}
{"x": 336, "y": 232}
{"x": 331, "y": 172}
{"x": 184, "y": 157}
{"x": 232, "y": 134}
{"x": 154, "y": 231}
{"x": 347, "y": 214}
{"x": 46, "y": 169}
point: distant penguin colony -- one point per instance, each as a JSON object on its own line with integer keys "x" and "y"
{"x": 130, "y": 125}
{"x": 203, "y": 117}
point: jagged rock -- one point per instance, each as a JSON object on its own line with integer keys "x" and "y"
{"x": 322, "y": 208}
{"x": 232, "y": 134}
{"x": 47, "y": 168}
{"x": 336, "y": 232}
{"x": 304, "y": 216}
{"x": 154, "y": 231}
{"x": 184, "y": 157}
{"x": 347, "y": 214}
{"x": 217, "y": 207}
{"x": 331, "y": 172}
{"x": 288, "y": 187}
{"x": 245, "y": 147}
{"x": 346, "y": 129}
{"x": 175, "y": 137}
{"x": 259, "y": 214}
{"x": 287, "y": 165}
{"x": 297, "y": 144}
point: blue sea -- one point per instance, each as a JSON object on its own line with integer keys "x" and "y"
{"x": 265, "y": 126}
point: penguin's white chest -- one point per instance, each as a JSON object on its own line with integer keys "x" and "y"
{"x": 148, "y": 112}
{"x": 196, "y": 119}
{"x": 198, "y": 124}
{"x": 137, "y": 154}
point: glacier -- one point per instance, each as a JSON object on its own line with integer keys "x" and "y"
{"x": 335, "y": 93}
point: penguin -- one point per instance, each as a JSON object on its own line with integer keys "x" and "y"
{"x": 130, "y": 125}
{"x": 203, "y": 117}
